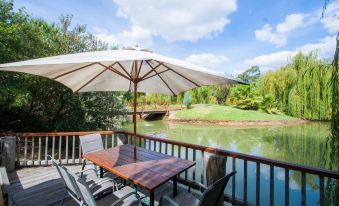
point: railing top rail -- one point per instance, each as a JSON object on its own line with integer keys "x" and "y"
{"x": 49, "y": 134}
{"x": 263, "y": 160}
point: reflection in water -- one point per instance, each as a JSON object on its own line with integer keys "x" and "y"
{"x": 304, "y": 144}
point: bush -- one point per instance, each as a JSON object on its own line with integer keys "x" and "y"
{"x": 187, "y": 100}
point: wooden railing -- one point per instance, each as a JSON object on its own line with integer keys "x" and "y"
{"x": 32, "y": 150}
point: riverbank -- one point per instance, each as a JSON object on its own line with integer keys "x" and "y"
{"x": 226, "y": 115}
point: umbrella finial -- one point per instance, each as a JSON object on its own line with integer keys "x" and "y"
{"x": 137, "y": 48}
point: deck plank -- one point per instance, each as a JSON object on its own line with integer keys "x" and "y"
{"x": 43, "y": 186}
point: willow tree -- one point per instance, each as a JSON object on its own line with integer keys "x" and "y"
{"x": 301, "y": 88}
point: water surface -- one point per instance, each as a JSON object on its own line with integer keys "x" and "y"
{"x": 301, "y": 143}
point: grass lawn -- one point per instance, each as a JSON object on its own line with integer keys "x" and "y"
{"x": 218, "y": 112}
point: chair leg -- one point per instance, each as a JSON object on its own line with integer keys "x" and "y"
{"x": 83, "y": 167}
{"x": 63, "y": 199}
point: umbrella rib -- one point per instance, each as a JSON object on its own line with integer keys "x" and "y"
{"x": 96, "y": 76}
{"x": 123, "y": 68}
{"x": 111, "y": 68}
{"x": 160, "y": 77}
{"x": 181, "y": 75}
{"x": 118, "y": 73}
{"x": 74, "y": 70}
{"x": 145, "y": 75}
{"x": 156, "y": 74}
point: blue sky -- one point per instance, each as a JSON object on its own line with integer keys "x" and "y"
{"x": 224, "y": 35}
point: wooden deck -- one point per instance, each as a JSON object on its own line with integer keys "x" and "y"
{"x": 43, "y": 186}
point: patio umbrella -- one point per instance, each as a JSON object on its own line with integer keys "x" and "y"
{"x": 131, "y": 70}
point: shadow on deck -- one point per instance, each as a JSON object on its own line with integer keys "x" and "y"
{"x": 43, "y": 186}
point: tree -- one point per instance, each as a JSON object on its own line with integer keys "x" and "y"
{"x": 250, "y": 75}
{"x": 32, "y": 103}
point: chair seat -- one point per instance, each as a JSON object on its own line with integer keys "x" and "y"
{"x": 111, "y": 198}
{"x": 101, "y": 189}
{"x": 184, "y": 199}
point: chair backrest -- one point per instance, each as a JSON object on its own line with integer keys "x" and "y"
{"x": 91, "y": 143}
{"x": 70, "y": 185}
{"x": 86, "y": 194}
{"x": 214, "y": 195}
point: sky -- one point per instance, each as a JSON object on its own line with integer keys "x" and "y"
{"x": 228, "y": 36}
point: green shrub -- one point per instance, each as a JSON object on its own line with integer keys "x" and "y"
{"x": 187, "y": 100}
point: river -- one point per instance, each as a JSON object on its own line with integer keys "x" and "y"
{"x": 301, "y": 143}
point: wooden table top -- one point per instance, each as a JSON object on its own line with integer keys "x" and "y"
{"x": 150, "y": 169}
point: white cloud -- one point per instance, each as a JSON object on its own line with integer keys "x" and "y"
{"x": 176, "y": 19}
{"x": 325, "y": 49}
{"x": 331, "y": 17}
{"x": 135, "y": 37}
{"x": 279, "y": 36}
{"x": 271, "y": 61}
{"x": 291, "y": 22}
{"x": 206, "y": 60}
{"x": 266, "y": 34}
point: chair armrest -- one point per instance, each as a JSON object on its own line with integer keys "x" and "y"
{"x": 171, "y": 201}
{"x": 126, "y": 196}
{"x": 190, "y": 183}
{"x": 85, "y": 170}
{"x": 102, "y": 181}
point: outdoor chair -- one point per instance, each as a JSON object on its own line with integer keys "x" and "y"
{"x": 97, "y": 192}
{"x": 99, "y": 186}
{"x": 90, "y": 143}
{"x": 212, "y": 195}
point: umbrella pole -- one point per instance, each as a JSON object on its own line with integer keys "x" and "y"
{"x": 135, "y": 119}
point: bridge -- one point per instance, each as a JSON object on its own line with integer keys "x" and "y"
{"x": 152, "y": 110}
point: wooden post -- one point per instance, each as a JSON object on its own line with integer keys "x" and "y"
{"x": 8, "y": 154}
{"x": 215, "y": 167}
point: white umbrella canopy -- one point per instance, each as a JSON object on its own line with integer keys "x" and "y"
{"x": 121, "y": 70}
{"x": 117, "y": 70}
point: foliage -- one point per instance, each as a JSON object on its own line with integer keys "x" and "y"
{"x": 32, "y": 103}
{"x": 187, "y": 99}
{"x": 248, "y": 97}
{"x": 250, "y": 75}
{"x": 302, "y": 88}
{"x": 102, "y": 110}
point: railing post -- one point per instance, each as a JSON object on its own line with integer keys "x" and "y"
{"x": 233, "y": 178}
{"x": 67, "y": 149}
{"x": 321, "y": 190}
{"x": 257, "y": 199}
{"x": 32, "y": 152}
{"x": 39, "y": 151}
{"x": 25, "y": 152}
{"x": 60, "y": 151}
{"x": 303, "y": 189}
{"x": 8, "y": 153}
{"x": 287, "y": 187}
{"x": 245, "y": 182}
{"x": 46, "y": 150}
{"x": 271, "y": 185}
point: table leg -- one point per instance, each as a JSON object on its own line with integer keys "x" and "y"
{"x": 151, "y": 197}
{"x": 175, "y": 186}
{"x": 101, "y": 172}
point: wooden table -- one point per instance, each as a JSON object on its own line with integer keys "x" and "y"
{"x": 150, "y": 169}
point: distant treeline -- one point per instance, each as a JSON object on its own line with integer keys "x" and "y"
{"x": 301, "y": 89}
